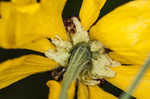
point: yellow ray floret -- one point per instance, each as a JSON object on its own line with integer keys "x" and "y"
{"x": 20, "y": 24}
{"x": 55, "y": 88}
{"x": 89, "y": 12}
{"x": 96, "y": 93}
{"x": 125, "y": 76}
{"x": 23, "y": 2}
{"x": 83, "y": 92}
{"x": 40, "y": 45}
{"x": 127, "y": 34}
{"x": 19, "y": 68}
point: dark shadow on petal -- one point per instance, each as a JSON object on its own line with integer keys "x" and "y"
{"x": 109, "y": 6}
{"x": 6, "y": 54}
{"x": 33, "y": 87}
{"x": 72, "y": 8}
{"x": 127, "y": 64}
{"x": 76, "y": 90}
{"x": 107, "y": 50}
{"x": 112, "y": 89}
{"x": 38, "y": 1}
{"x": 5, "y": 0}
{"x": 57, "y": 74}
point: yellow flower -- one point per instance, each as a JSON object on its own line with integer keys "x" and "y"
{"x": 128, "y": 26}
{"x": 27, "y": 25}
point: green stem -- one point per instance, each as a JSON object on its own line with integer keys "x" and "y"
{"x": 79, "y": 59}
{"x": 137, "y": 79}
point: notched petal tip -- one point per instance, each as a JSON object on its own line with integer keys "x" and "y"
{"x": 55, "y": 88}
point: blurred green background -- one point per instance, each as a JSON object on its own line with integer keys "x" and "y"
{"x": 34, "y": 87}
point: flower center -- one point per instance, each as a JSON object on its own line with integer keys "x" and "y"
{"x": 85, "y": 59}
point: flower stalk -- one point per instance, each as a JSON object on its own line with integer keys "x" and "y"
{"x": 137, "y": 79}
{"x": 79, "y": 60}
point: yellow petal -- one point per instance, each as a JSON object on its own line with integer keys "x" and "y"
{"x": 71, "y": 91}
{"x": 124, "y": 77}
{"x": 96, "y": 93}
{"x": 82, "y": 91}
{"x": 22, "y": 24}
{"x": 41, "y": 45}
{"x": 19, "y": 68}
{"x": 6, "y": 25}
{"x": 90, "y": 11}
{"x": 21, "y": 2}
{"x": 55, "y": 88}
{"x": 126, "y": 31}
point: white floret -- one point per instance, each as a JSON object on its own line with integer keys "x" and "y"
{"x": 112, "y": 62}
{"x": 60, "y": 57}
{"x": 61, "y": 44}
{"x": 81, "y": 35}
{"x": 96, "y": 46}
{"x": 100, "y": 69}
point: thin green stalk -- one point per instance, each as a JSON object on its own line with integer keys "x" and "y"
{"x": 79, "y": 59}
{"x": 137, "y": 79}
